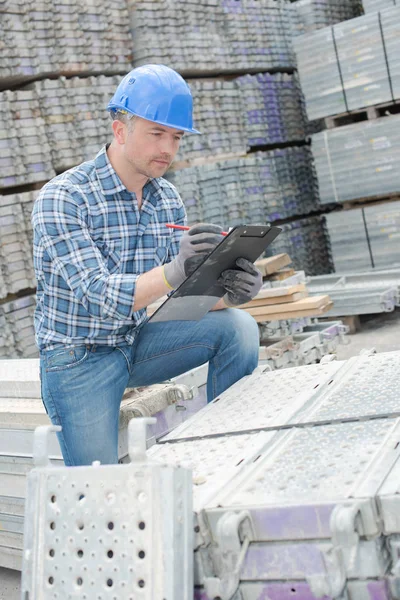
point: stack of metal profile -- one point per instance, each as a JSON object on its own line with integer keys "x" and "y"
{"x": 363, "y": 62}
{"x": 319, "y": 74}
{"x": 377, "y": 5}
{"x": 295, "y": 477}
{"x": 390, "y": 22}
{"x": 252, "y": 110}
{"x": 17, "y": 334}
{"x": 263, "y": 186}
{"x": 359, "y": 293}
{"x": 16, "y": 263}
{"x": 76, "y": 121}
{"x": 25, "y": 153}
{"x": 43, "y": 38}
{"x": 273, "y": 108}
{"x": 316, "y": 14}
{"x": 358, "y": 64}
{"x": 304, "y": 347}
{"x": 365, "y": 238}
{"x": 218, "y": 115}
{"x": 307, "y": 243}
{"x": 210, "y": 36}
{"x": 348, "y": 240}
{"x": 358, "y": 161}
{"x": 383, "y": 229}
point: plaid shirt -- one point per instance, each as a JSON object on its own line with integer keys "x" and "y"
{"x": 91, "y": 243}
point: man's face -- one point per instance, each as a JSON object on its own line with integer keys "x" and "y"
{"x": 150, "y": 148}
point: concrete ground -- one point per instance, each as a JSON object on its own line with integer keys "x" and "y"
{"x": 381, "y": 332}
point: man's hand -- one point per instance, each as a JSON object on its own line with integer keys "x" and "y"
{"x": 241, "y": 286}
{"x": 196, "y": 244}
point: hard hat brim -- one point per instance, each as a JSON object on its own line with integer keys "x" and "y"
{"x": 111, "y": 107}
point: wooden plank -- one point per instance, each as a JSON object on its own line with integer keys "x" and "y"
{"x": 279, "y": 300}
{"x": 280, "y": 291}
{"x": 281, "y": 275}
{"x": 310, "y": 303}
{"x": 272, "y": 264}
{"x": 313, "y": 312}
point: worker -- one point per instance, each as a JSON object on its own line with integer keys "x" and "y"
{"x": 103, "y": 253}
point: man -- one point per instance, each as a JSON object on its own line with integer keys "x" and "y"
{"x": 102, "y": 253}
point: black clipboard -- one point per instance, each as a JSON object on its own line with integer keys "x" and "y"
{"x": 200, "y": 291}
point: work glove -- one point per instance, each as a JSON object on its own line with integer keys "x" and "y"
{"x": 241, "y": 285}
{"x": 196, "y": 244}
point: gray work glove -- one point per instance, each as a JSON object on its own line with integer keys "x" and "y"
{"x": 196, "y": 244}
{"x": 241, "y": 286}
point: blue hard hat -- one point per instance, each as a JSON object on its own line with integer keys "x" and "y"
{"x": 156, "y": 93}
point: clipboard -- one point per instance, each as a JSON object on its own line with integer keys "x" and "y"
{"x": 201, "y": 291}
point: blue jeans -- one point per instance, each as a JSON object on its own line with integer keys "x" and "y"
{"x": 82, "y": 387}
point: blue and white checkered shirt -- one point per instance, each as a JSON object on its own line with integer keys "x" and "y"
{"x": 91, "y": 243}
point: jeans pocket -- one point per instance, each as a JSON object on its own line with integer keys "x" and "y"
{"x": 59, "y": 360}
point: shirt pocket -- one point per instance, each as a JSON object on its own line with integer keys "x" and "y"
{"x": 162, "y": 246}
{"x": 111, "y": 252}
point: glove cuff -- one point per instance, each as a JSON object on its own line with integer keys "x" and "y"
{"x": 173, "y": 275}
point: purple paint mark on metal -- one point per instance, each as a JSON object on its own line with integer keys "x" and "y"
{"x": 378, "y": 590}
{"x": 287, "y": 591}
{"x": 199, "y": 594}
{"x": 282, "y": 562}
{"x": 293, "y": 522}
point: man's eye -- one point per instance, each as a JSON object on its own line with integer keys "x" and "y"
{"x": 156, "y": 134}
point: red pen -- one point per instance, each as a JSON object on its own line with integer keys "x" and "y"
{"x": 185, "y": 228}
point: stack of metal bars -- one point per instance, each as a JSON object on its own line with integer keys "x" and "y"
{"x": 383, "y": 227}
{"x": 64, "y": 37}
{"x": 348, "y": 240}
{"x": 210, "y": 36}
{"x": 16, "y": 262}
{"x": 295, "y": 477}
{"x": 218, "y": 114}
{"x": 273, "y": 108}
{"x": 17, "y": 335}
{"x": 76, "y": 122}
{"x": 362, "y": 59}
{"x": 370, "y": 149}
{"x": 319, "y": 74}
{"x": 19, "y": 58}
{"x": 264, "y": 186}
{"x": 25, "y": 153}
{"x": 391, "y": 32}
{"x": 358, "y": 65}
{"x": 358, "y": 294}
{"x": 377, "y": 5}
{"x": 307, "y": 243}
{"x": 316, "y": 14}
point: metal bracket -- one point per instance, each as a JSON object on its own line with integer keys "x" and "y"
{"x": 234, "y": 533}
{"x": 327, "y": 359}
{"x": 343, "y": 554}
{"x": 137, "y": 430}
{"x": 179, "y": 392}
{"x": 41, "y": 444}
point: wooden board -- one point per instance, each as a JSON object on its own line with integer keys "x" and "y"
{"x": 277, "y": 300}
{"x": 280, "y": 291}
{"x": 281, "y": 275}
{"x": 310, "y": 303}
{"x": 270, "y": 265}
{"x": 313, "y": 312}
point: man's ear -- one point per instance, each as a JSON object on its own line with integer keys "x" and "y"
{"x": 120, "y": 131}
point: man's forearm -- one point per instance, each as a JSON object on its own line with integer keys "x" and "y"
{"x": 150, "y": 287}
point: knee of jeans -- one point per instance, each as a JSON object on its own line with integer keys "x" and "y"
{"x": 244, "y": 328}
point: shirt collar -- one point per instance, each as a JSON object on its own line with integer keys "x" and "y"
{"x": 110, "y": 181}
